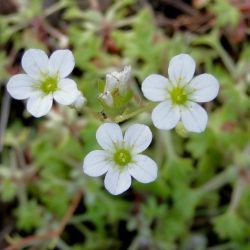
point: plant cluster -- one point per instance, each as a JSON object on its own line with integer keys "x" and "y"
{"x": 104, "y": 85}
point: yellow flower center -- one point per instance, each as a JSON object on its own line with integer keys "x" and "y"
{"x": 49, "y": 84}
{"x": 122, "y": 157}
{"x": 178, "y": 95}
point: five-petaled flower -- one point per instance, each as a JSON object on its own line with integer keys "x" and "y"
{"x": 45, "y": 80}
{"x": 116, "y": 83}
{"x": 178, "y": 95}
{"x": 121, "y": 157}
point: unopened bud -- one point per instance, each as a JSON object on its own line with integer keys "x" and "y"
{"x": 79, "y": 102}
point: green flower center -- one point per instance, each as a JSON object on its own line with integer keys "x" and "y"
{"x": 122, "y": 157}
{"x": 49, "y": 84}
{"x": 178, "y": 95}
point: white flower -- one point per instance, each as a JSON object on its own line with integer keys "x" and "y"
{"x": 116, "y": 81}
{"x": 79, "y": 101}
{"x": 178, "y": 95}
{"x": 121, "y": 157}
{"x": 45, "y": 80}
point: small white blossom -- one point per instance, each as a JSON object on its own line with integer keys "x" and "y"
{"x": 116, "y": 81}
{"x": 45, "y": 80}
{"x": 178, "y": 95}
{"x": 121, "y": 157}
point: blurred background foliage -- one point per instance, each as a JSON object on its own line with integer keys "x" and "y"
{"x": 201, "y": 198}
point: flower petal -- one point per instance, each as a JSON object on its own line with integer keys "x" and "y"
{"x": 138, "y": 137}
{"x": 67, "y": 92}
{"x": 39, "y": 105}
{"x": 181, "y": 69}
{"x": 111, "y": 84}
{"x": 35, "y": 62}
{"x": 144, "y": 169}
{"x": 117, "y": 181}
{"x": 96, "y": 163}
{"x": 206, "y": 88}
{"x": 194, "y": 117}
{"x": 125, "y": 74}
{"x": 108, "y": 135}
{"x": 61, "y": 62}
{"x": 20, "y": 86}
{"x": 165, "y": 115}
{"x": 154, "y": 87}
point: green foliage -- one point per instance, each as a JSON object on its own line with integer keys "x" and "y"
{"x": 230, "y": 225}
{"x": 8, "y": 190}
{"x": 28, "y": 215}
{"x": 189, "y": 206}
{"x": 143, "y": 37}
{"x": 226, "y": 13}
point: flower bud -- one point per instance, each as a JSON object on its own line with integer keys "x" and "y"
{"x": 79, "y": 101}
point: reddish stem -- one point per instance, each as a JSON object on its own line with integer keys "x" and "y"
{"x": 51, "y": 234}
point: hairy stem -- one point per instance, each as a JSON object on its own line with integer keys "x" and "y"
{"x": 235, "y": 199}
{"x": 220, "y": 180}
{"x": 227, "y": 60}
{"x": 51, "y": 234}
{"x": 168, "y": 142}
{"x": 122, "y": 118}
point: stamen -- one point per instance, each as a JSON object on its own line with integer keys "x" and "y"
{"x": 179, "y": 95}
{"x": 49, "y": 84}
{"x": 122, "y": 157}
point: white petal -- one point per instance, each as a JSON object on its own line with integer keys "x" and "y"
{"x": 181, "y": 69}
{"x": 124, "y": 77}
{"x": 96, "y": 163}
{"x": 138, "y": 137}
{"x": 154, "y": 87}
{"x": 112, "y": 83}
{"x": 39, "y": 105}
{"x": 61, "y": 62}
{"x": 35, "y": 62}
{"x": 206, "y": 88}
{"x": 67, "y": 92}
{"x": 165, "y": 115}
{"x": 116, "y": 181}
{"x": 108, "y": 135}
{"x": 118, "y": 80}
{"x": 125, "y": 74}
{"x": 144, "y": 169}
{"x": 194, "y": 117}
{"x": 20, "y": 86}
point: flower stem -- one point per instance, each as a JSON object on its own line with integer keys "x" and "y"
{"x": 124, "y": 117}
{"x": 4, "y": 115}
{"x": 54, "y": 8}
{"x": 168, "y": 142}
{"x": 235, "y": 199}
{"x": 220, "y": 180}
{"x": 227, "y": 60}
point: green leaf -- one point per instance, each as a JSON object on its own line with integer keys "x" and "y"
{"x": 28, "y": 215}
{"x": 230, "y": 225}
